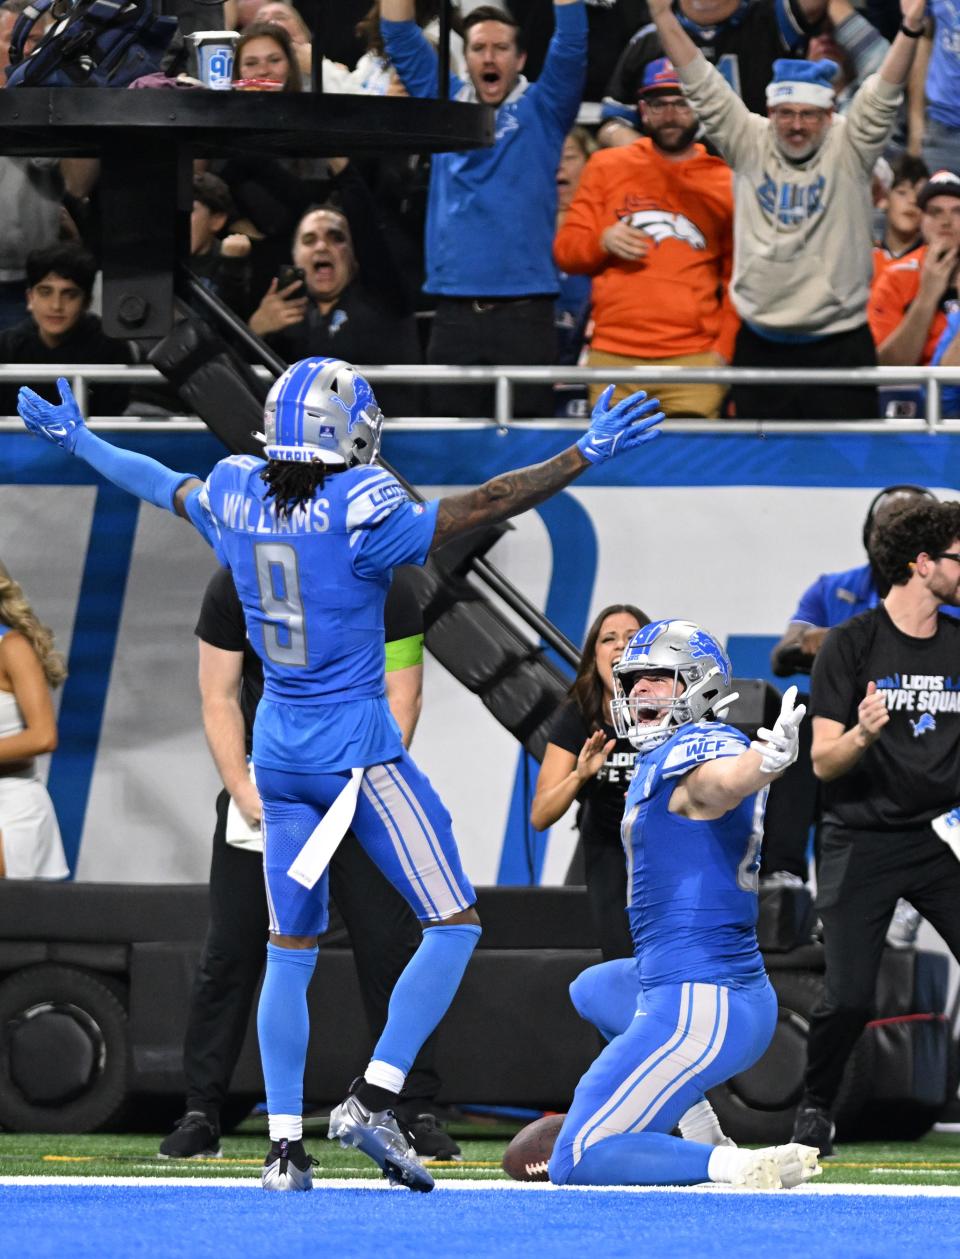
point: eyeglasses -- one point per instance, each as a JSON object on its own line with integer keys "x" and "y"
{"x": 657, "y": 105}
{"x": 792, "y": 116}
{"x": 948, "y": 555}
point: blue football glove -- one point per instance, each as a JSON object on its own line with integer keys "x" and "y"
{"x": 61, "y": 424}
{"x": 629, "y": 424}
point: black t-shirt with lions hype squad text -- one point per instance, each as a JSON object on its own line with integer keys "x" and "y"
{"x": 911, "y": 773}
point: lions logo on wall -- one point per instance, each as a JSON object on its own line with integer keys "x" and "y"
{"x": 661, "y": 225}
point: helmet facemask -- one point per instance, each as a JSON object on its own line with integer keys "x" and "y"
{"x": 701, "y": 676}
{"x": 647, "y": 720}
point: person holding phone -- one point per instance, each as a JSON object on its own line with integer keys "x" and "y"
{"x": 343, "y": 294}
{"x": 911, "y": 301}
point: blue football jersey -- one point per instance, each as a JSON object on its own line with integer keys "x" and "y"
{"x": 692, "y": 885}
{"x": 313, "y": 586}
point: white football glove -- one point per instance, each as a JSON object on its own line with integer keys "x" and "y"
{"x": 778, "y": 747}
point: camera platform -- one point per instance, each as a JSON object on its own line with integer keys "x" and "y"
{"x": 146, "y": 140}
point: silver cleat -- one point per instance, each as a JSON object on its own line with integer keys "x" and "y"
{"x": 288, "y": 1168}
{"x": 376, "y": 1134}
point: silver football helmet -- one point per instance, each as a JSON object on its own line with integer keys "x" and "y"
{"x": 321, "y": 410}
{"x": 694, "y": 658}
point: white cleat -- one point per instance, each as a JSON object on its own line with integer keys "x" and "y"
{"x": 755, "y": 1169}
{"x": 796, "y": 1163}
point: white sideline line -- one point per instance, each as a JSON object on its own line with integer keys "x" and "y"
{"x": 509, "y": 1186}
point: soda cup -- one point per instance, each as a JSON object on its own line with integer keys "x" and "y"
{"x": 211, "y": 56}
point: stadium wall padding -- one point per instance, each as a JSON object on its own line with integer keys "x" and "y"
{"x": 511, "y": 1036}
{"x": 725, "y": 528}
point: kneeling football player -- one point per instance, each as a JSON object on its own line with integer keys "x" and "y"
{"x": 695, "y": 1006}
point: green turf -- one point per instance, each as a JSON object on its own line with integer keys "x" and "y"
{"x": 934, "y": 1160}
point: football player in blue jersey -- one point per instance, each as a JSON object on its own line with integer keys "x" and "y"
{"x": 311, "y": 536}
{"x": 694, "y": 1006}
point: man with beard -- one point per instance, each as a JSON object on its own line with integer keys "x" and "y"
{"x": 885, "y": 702}
{"x": 803, "y": 214}
{"x": 652, "y": 222}
{"x": 793, "y": 804}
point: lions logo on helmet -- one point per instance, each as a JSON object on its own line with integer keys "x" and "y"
{"x": 692, "y": 656}
{"x": 321, "y": 410}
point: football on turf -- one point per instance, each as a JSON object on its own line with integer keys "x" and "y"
{"x": 528, "y": 1154}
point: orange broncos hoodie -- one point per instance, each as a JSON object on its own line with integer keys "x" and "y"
{"x": 675, "y": 300}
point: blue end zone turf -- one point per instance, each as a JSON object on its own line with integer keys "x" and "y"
{"x": 166, "y": 1222}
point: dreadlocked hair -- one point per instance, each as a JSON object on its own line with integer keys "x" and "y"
{"x": 292, "y": 485}
{"x": 16, "y": 612}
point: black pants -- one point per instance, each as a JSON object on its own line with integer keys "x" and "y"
{"x": 861, "y": 876}
{"x": 512, "y": 332}
{"x": 606, "y": 880}
{"x": 806, "y": 402}
{"x": 383, "y": 931}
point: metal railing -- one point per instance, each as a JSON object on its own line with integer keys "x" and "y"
{"x": 504, "y": 379}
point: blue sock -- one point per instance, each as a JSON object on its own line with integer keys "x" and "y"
{"x": 283, "y": 1026}
{"x": 423, "y": 992}
{"x": 642, "y": 1158}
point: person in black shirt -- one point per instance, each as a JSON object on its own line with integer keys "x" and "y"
{"x": 382, "y": 929}
{"x": 221, "y": 264}
{"x": 355, "y": 306}
{"x": 885, "y": 699}
{"x": 584, "y": 761}
{"x": 60, "y": 329}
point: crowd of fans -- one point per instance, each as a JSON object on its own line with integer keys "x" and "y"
{"x": 719, "y": 210}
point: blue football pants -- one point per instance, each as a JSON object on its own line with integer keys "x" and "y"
{"x": 401, "y": 824}
{"x": 682, "y": 1040}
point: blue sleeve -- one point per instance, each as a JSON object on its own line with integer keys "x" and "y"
{"x": 949, "y": 394}
{"x": 226, "y": 484}
{"x": 559, "y": 89}
{"x": 403, "y": 536}
{"x": 413, "y": 55}
{"x": 794, "y": 29}
{"x": 197, "y": 506}
{"x": 811, "y": 610}
{"x": 139, "y": 475}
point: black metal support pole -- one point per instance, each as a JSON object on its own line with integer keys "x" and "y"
{"x": 145, "y": 196}
{"x": 218, "y": 312}
{"x": 443, "y": 52}
{"x": 318, "y": 45}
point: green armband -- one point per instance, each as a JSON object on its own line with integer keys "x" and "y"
{"x": 403, "y": 653}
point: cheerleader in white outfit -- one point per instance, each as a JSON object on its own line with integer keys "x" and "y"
{"x": 30, "y": 844}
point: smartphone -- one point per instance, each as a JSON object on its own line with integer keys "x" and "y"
{"x": 288, "y": 275}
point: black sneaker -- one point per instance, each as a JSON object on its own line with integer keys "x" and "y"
{"x": 430, "y": 1140}
{"x": 288, "y": 1167}
{"x": 814, "y": 1127}
{"x": 195, "y": 1136}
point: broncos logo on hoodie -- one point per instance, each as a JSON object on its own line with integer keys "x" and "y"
{"x": 661, "y": 225}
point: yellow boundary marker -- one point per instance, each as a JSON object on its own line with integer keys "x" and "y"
{"x": 454, "y": 1164}
{"x": 901, "y": 1166}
